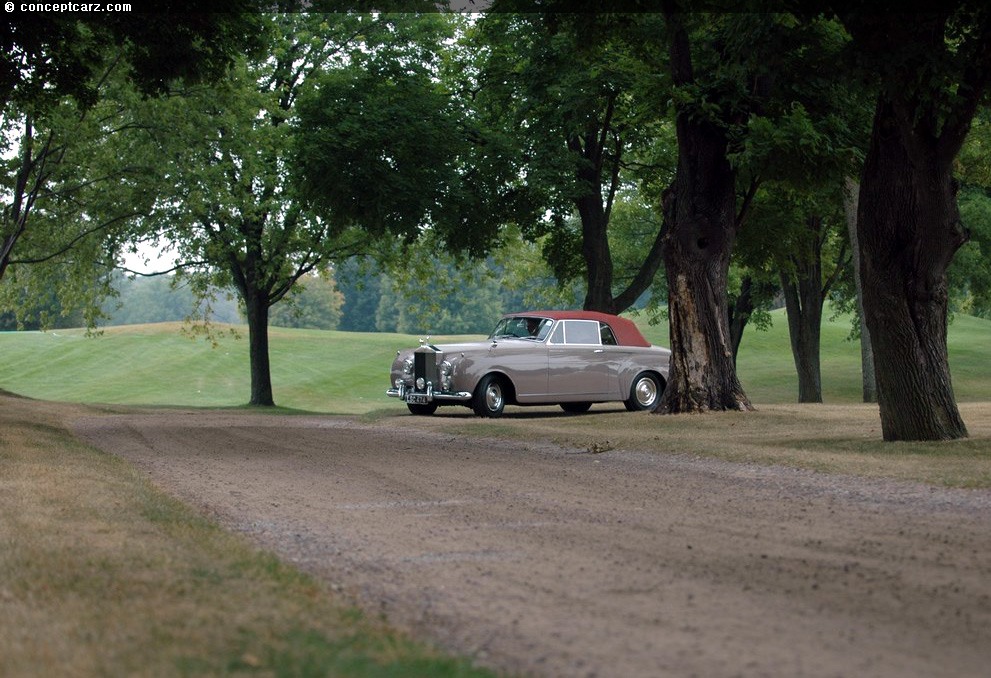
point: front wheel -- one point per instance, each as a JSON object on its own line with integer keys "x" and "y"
{"x": 645, "y": 392}
{"x": 490, "y": 397}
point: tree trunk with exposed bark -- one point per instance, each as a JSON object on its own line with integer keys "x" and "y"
{"x": 909, "y": 230}
{"x": 697, "y": 247}
{"x": 702, "y": 374}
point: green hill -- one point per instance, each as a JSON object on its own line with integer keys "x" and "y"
{"x": 347, "y": 372}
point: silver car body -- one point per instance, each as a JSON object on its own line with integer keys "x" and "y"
{"x": 536, "y": 358}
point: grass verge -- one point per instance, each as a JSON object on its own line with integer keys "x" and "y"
{"x": 102, "y": 574}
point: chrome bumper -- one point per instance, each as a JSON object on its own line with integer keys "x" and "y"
{"x": 422, "y": 398}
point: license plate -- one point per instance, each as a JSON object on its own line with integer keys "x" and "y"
{"x": 418, "y": 398}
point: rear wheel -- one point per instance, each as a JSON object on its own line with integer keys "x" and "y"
{"x": 490, "y": 397}
{"x": 576, "y": 408}
{"x": 423, "y": 410}
{"x": 645, "y": 392}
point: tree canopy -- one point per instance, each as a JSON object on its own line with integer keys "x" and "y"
{"x": 50, "y": 55}
{"x": 618, "y": 143}
{"x": 72, "y": 183}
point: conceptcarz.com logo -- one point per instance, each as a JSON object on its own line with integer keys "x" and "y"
{"x": 46, "y": 7}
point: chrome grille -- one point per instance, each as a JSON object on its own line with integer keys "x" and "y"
{"x": 425, "y": 365}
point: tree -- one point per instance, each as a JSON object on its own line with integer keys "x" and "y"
{"x": 64, "y": 82}
{"x": 756, "y": 120}
{"x": 72, "y": 191}
{"x": 235, "y": 151}
{"x": 230, "y": 208}
{"x": 386, "y": 145}
{"x": 703, "y": 227}
{"x": 806, "y": 286}
{"x": 586, "y": 120}
{"x": 50, "y": 55}
{"x": 933, "y": 70}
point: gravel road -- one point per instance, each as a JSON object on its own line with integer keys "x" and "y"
{"x": 549, "y": 561}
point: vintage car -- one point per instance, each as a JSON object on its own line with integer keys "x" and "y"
{"x": 568, "y": 358}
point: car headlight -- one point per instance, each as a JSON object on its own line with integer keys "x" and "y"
{"x": 445, "y": 370}
{"x": 421, "y": 383}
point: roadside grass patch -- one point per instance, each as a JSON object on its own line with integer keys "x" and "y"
{"x": 102, "y": 574}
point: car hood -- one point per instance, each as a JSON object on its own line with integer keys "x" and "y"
{"x": 464, "y": 347}
{"x": 476, "y": 346}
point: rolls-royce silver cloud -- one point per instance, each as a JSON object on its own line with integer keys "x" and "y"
{"x": 567, "y": 358}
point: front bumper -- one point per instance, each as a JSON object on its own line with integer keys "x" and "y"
{"x": 430, "y": 395}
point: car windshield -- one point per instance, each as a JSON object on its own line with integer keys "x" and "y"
{"x": 522, "y": 327}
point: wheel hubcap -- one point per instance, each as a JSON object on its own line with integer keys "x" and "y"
{"x": 493, "y": 397}
{"x": 646, "y": 392}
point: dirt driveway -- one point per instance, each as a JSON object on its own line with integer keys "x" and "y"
{"x": 558, "y": 562}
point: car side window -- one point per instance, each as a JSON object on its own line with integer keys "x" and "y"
{"x": 544, "y": 329}
{"x": 585, "y": 332}
{"x": 608, "y": 338}
{"x": 558, "y": 336}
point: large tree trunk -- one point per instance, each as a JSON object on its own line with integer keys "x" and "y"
{"x": 866, "y": 351}
{"x": 697, "y": 250}
{"x": 909, "y": 229}
{"x": 257, "y": 307}
{"x": 702, "y": 374}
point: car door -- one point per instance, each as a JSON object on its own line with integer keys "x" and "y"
{"x": 578, "y": 365}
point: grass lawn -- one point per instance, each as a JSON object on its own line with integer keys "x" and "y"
{"x": 347, "y": 372}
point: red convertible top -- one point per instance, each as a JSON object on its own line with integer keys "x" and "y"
{"x": 626, "y": 332}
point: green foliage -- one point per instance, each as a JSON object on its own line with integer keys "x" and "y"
{"x": 74, "y": 185}
{"x": 315, "y": 303}
{"x": 232, "y": 209}
{"x": 386, "y": 145}
{"x": 427, "y": 290}
{"x": 74, "y": 177}
{"x": 970, "y": 273}
{"x": 35, "y": 312}
{"x": 584, "y": 118}
{"x": 51, "y": 55}
{"x": 374, "y": 148}
{"x": 809, "y": 122}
